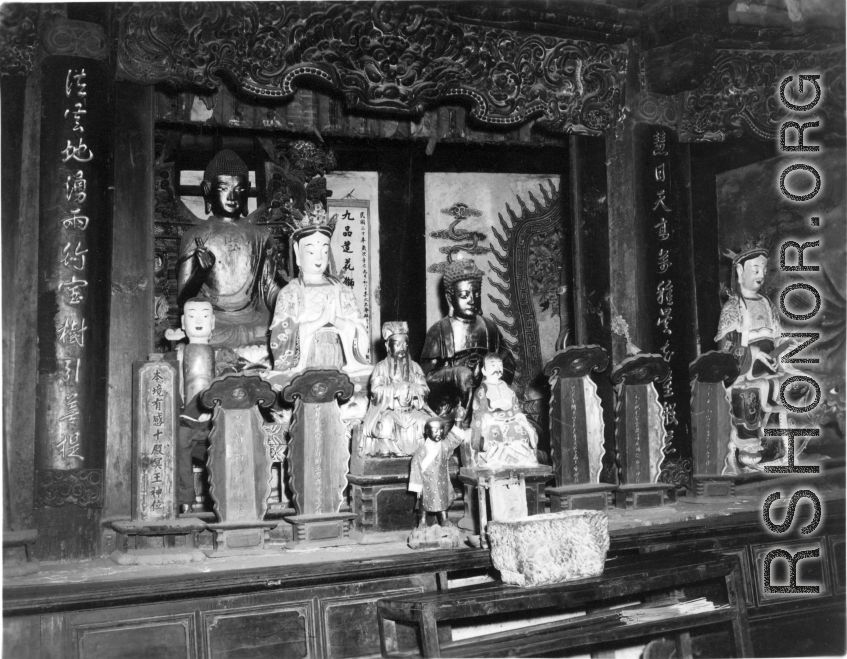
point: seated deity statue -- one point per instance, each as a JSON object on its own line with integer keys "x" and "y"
{"x": 316, "y": 322}
{"x": 456, "y": 344}
{"x": 749, "y": 330}
{"x": 395, "y": 422}
{"x": 501, "y": 435}
{"x": 229, "y": 260}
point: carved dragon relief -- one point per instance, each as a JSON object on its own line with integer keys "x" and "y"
{"x": 397, "y": 57}
{"x": 514, "y": 268}
{"x": 740, "y": 94}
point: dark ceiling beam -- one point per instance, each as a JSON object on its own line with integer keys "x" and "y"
{"x": 575, "y": 19}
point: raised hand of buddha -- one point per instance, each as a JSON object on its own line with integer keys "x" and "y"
{"x": 205, "y": 258}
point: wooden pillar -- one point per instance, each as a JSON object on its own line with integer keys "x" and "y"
{"x": 590, "y": 230}
{"x": 578, "y": 256}
{"x": 131, "y": 311}
{"x": 73, "y": 292}
{"x": 20, "y": 247}
{"x": 629, "y": 268}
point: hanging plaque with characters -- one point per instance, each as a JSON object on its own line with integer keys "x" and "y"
{"x": 351, "y": 250}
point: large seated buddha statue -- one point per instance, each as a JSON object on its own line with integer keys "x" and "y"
{"x": 455, "y": 345}
{"x": 229, "y": 260}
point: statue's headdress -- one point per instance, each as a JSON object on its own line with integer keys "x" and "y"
{"x": 313, "y": 220}
{"x": 750, "y": 249}
{"x": 225, "y": 163}
{"x": 393, "y": 327}
{"x": 462, "y": 270}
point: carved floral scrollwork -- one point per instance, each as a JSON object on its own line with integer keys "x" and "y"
{"x": 657, "y": 109}
{"x": 399, "y": 57}
{"x": 75, "y": 39}
{"x": 676, "y": 472}
{"x": 18, "y": 37}
{"x": 78, "y": 487}
{"x": 740, "y": 93}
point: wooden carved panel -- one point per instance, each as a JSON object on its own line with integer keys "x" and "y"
{"x": 168, "y": 637}
{"x": 351, "y": 628}
{"x": 18, "y": 37}
{"x": 261, "y": 633}
{"x": 740, "y": 94}
{"x": 397, "y": 57}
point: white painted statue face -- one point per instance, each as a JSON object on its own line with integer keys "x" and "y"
{"x": 751, "y": 274}
{"x": 312, "y": 254}
{"x": 492, "y": 369}
{"x": 198, "y": 321}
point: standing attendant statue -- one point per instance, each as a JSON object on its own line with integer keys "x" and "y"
{"x": 456, "y": 344}
{"x": 749, "y": 330}
{"x": 316, "y": 322}
{"x": 229, "y": 260}
{"x": 395, "y": 421}
{"x": 430, "y": 477}
{"x": 198, "y": 371}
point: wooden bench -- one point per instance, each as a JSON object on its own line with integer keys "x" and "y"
{"x": 629, "y": 576}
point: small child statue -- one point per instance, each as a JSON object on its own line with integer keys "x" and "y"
{"x": 198, "y": 371}
{"x": 198, "y": 357}
{"x": 430, "y": 479}
{"x": 500, "y": 432}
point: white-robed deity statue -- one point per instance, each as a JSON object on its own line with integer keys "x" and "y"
{"x": 395, "y": 422}
{"x": 316, "y": 322}
{"x": 749, "y": 329}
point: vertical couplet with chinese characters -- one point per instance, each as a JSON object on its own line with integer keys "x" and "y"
{"x": 72, "y": 303}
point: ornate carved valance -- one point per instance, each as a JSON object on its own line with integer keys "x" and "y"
{"x": 394, "y": 57}
{"x": 18, "y": 32}
{"x": 740, "y": 94}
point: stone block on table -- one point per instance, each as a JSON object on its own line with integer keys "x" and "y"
{"x": 550, "y": 548}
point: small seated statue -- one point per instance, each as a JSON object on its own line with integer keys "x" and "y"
{"x": 749, "y": 330}
{"x": 316, "y": 322}
{"x": 454, "y": 346}
{"x": 230, "y": 261}
{"x": 395, "y": 422}
{"x": 500, "y": 433}
{"x": 429, "y": 477}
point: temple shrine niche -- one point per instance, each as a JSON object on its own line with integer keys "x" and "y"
{"x": 317, "y": 313}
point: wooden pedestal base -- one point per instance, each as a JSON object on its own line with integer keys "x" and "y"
{"x": 644, "y": 495}
{"x": 20, "y": 543}
{"x": 328, "y": 527}
{"x": 158, "y": 543}
{"x": 585, "y": 496}
{"x": 534, "y": 477}
{"x": 382, "y": 503}
{"x": 240, "y": 539}
{"x": 712, "y": 485}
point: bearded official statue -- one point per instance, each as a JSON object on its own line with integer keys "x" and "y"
{"x": 395, "y": 422}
